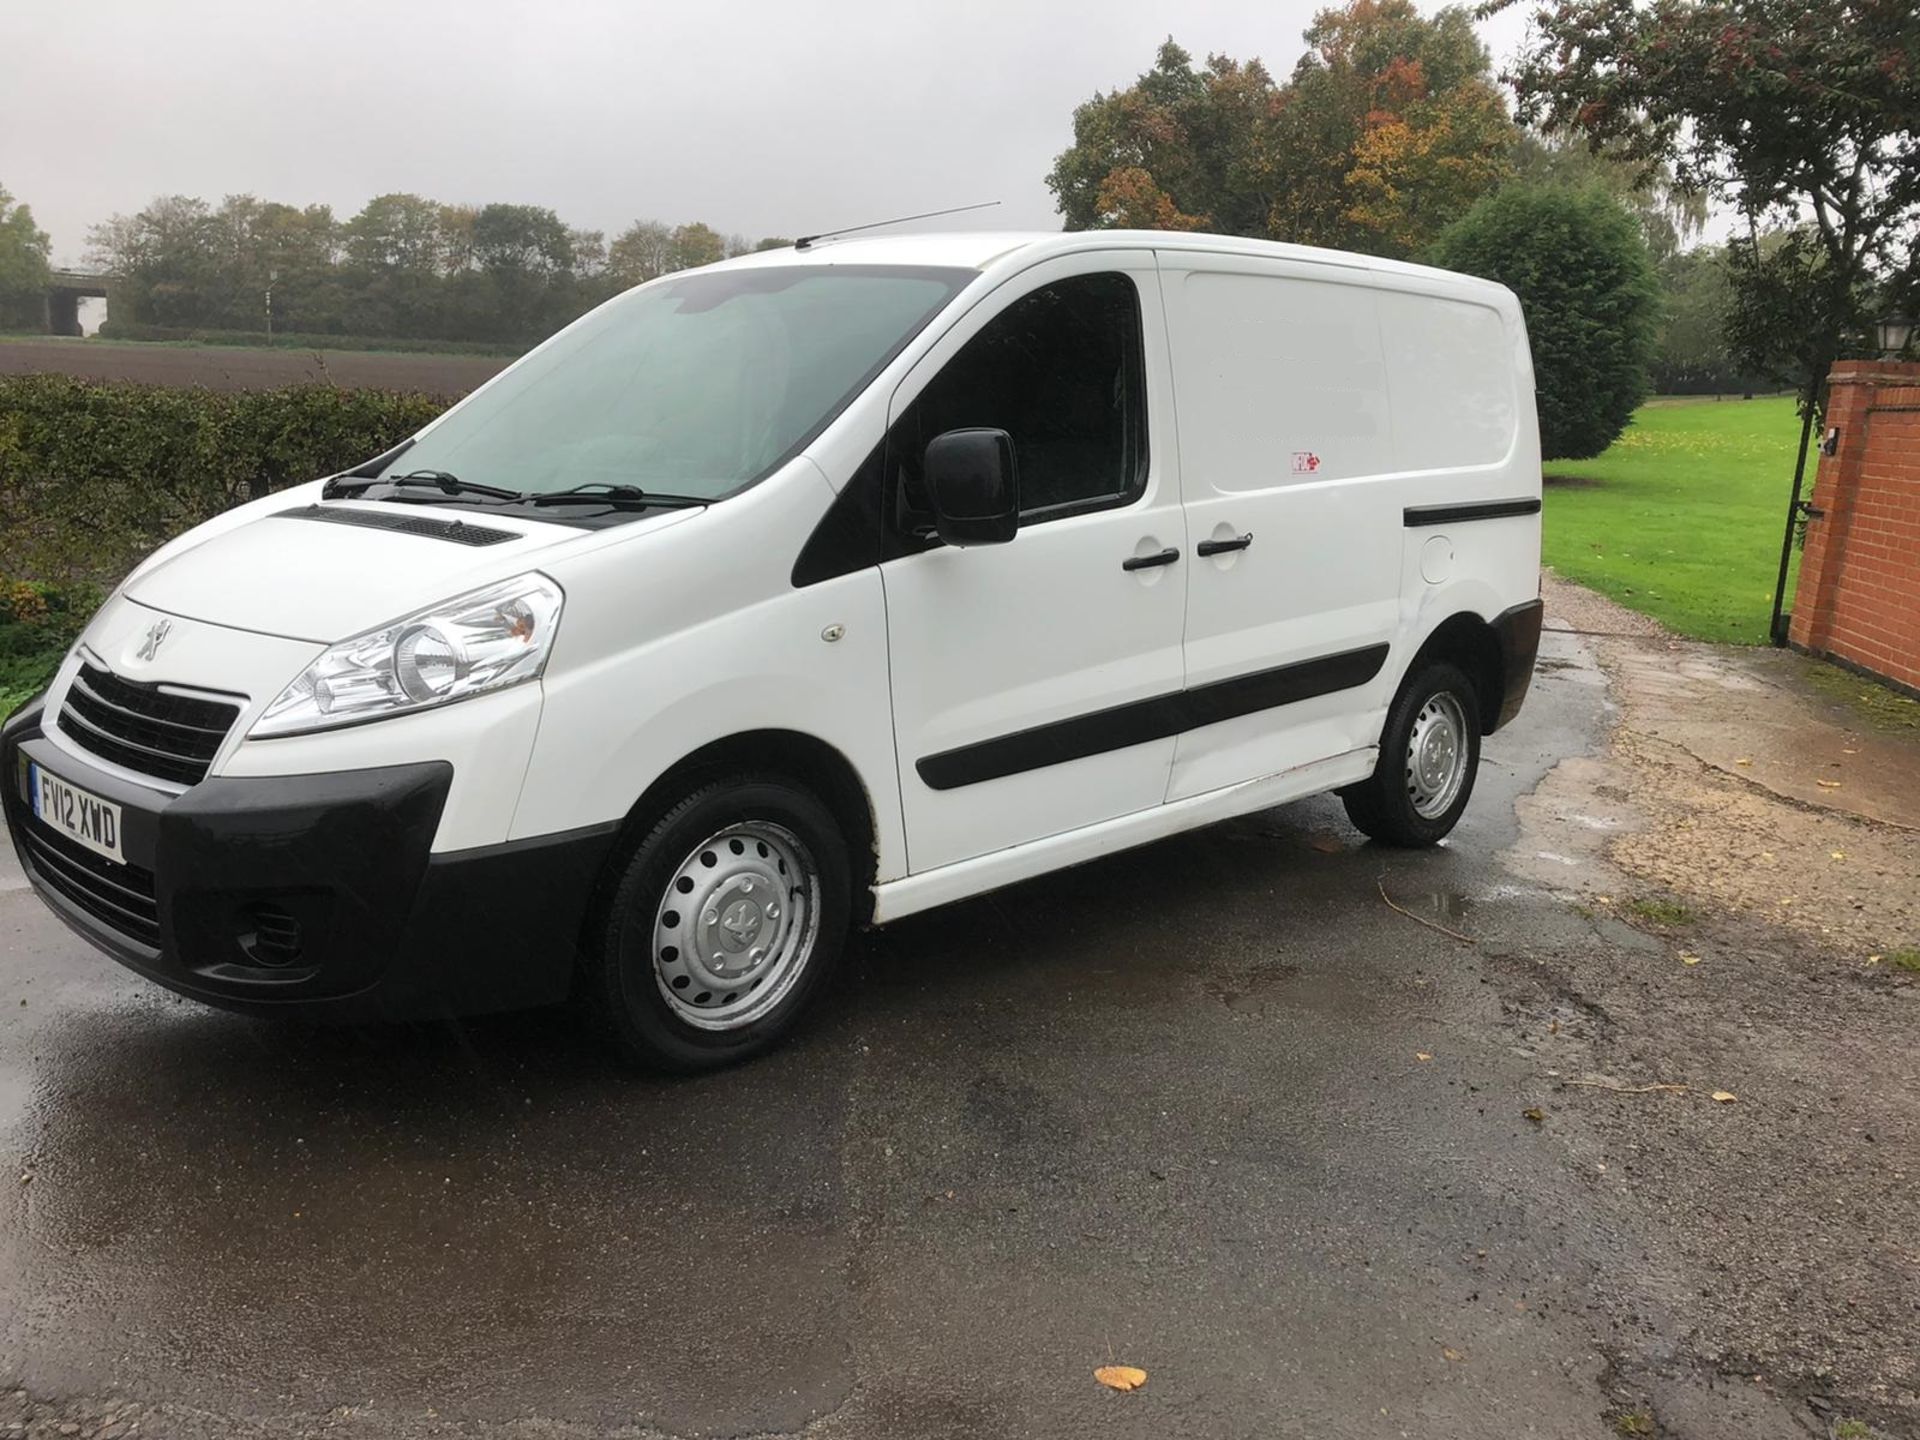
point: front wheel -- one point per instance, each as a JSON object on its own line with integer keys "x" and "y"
{"x": 722, "y": 926}
{"x": 1429, "y": 753}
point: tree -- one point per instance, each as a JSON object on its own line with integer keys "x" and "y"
{"x": 1179, "y": 149}
{"x": 24, "y": 251}
{"x": 1669, "y": 216}
{"x": 173, "y": 256}
{"x": 1802, "y": 117}
{"x": 694, "y": 244}
{"x": 639, "y": 253}
{"x": 1692, "y": 355}
{"x": 1576, "y": 260}
{"x": 1389, "y": 128}
{"x": 397, "y": 234}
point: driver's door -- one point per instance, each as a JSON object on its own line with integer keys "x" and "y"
{"x": 1030, "y": 678}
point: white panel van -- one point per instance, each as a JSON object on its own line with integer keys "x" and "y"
{"x": 796, "y": 593}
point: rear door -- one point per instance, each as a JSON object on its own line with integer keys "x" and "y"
{"x": 1287, "y": 459}
{"x": 1025, "y": 675}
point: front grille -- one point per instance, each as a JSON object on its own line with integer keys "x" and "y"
{"x": 146, "y": 729}
{"x": 120, "y": 896}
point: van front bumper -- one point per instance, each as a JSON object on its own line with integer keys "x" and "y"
{"x": 309, "y": 894}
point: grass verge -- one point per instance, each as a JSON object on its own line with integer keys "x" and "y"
{"x": 1681, "y": 517}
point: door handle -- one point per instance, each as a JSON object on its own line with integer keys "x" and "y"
{"x": 1221, "y": 547}
{"x": 1146, "y": 562}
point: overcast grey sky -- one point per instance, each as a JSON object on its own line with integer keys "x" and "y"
{"x": 757, "y": 116}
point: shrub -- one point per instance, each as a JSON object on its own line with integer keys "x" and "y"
{"x": 1576, "y": 259}
{"x": 93, "y": 476}
{"x": 37, "y": 624}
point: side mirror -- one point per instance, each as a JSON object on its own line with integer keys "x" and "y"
{"x": 974, "y": 483}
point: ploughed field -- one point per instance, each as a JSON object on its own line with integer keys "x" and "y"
{"x": 224, "y": 367}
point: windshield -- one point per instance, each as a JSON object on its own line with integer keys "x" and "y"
{"x": 694, "y": 386}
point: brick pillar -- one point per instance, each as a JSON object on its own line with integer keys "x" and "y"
{"x": 1858, "y": 596}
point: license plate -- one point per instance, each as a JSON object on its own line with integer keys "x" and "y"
{"x": 84, "y": 819}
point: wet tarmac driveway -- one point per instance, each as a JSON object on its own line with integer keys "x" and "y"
{"x": 1173, "y": 1109}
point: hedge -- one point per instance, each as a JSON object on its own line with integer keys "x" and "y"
{"x": 94, "y": 475}
{"x": 281, "y": 340}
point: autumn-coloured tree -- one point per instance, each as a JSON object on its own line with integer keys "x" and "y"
{"x": 1388, "y": 129}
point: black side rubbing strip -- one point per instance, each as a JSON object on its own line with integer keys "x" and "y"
{"x": 1418, "y": 515}
{"x": 1139, "y": 721}
{"x": 458, "y": 531}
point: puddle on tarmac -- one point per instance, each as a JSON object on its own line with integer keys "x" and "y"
{"x": 1447, "y": 906}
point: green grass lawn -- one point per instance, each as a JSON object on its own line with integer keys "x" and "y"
{"x": 1681, "y": 517}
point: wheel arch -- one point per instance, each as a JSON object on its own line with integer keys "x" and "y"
{"x": 1467, "y": 640}
{"x": 793, "y": 754}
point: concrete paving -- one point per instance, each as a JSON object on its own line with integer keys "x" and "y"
{"x": 1213, "y": 1108}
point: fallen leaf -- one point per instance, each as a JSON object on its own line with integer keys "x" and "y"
{"x": 1725, "y": 1097}
{"x": 1451, "y": 1353}
{"x": 1828, "y": 784}
{"x": 1553, "y": 1027}
{"x": 1686, "y": 959}
{"x": 1535, "y": 1114}
{"x": 1421, "y": 1055}
{"x": 1327, "y": 844}
{"x": 1120, "y": 1377}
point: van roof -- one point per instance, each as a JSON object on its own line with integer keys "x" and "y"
{"x": 992, "y": 249}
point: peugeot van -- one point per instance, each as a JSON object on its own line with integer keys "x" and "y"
{"x": 797, "y": 593}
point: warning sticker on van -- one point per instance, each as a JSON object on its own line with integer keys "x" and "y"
{"x": 1305, "y": 462}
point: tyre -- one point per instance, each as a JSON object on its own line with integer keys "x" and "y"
{"x": 722, "y": 926}
{"x": 1429, "y": 753}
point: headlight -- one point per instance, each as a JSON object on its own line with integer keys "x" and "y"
{"x": 485, "y": 640}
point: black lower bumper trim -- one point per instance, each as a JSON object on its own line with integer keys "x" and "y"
{"x": 310, "y": 894}
{"x": 1518, "y": 632}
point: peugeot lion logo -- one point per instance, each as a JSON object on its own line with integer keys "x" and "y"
{"x": 156, "y": 637}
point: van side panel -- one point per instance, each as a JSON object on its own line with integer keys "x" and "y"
{"x": 1324, "y": 412}
{"x": 1286, "y": 437}
{"x": 743, "y": 650}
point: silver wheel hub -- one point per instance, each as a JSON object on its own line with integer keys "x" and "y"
{"x": 736, "y": 925}
{"x": 1437, "y": 750}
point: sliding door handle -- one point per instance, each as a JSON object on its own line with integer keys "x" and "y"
{"x": 1147, "y": 562}
{"x": 1221, "y": 547}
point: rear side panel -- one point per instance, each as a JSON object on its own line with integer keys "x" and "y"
{"x": 1322, "y": 408}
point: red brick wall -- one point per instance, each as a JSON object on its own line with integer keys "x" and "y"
{"x": 1859, "y": 592}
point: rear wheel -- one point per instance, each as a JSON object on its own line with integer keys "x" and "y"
{"x": 722, "y": 926}
{"x": 1429, "y": 753}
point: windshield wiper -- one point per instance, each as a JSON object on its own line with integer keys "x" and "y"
{"x": 450, "y": 484}
{"x": 620, "y": 496}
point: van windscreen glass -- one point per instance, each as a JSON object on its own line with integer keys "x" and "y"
{"x": 695, "y": 386}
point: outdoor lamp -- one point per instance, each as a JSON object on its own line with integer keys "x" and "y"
{"x": 1895, "y": 331}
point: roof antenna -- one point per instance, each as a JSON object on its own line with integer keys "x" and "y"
{"x": 805, "y": 242}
